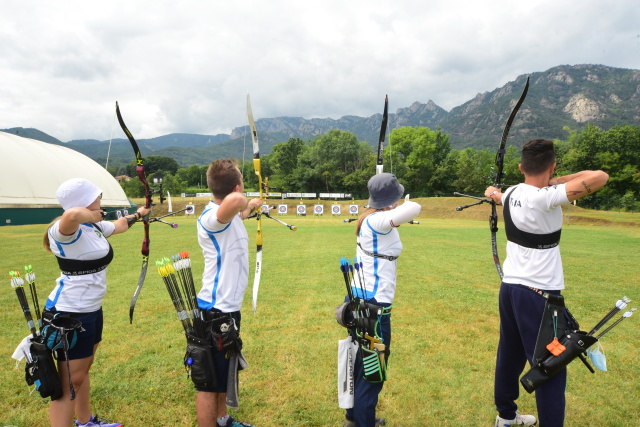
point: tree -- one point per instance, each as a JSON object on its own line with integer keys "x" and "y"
{"x": 628, "y": 202}
{"x": 284, "y": 160}
{"x": 616, "y": 151}
{"x": 154, "y": 164}
{"x": 329, "y": 158}
{"x": 444, "y": 176}
{"x": 416, "y": 154}
{"x": 472, "y": 170}
{"x": 193, "y": 176}
{"x": 172, "y": 184}
{"x": 133, "y": 187}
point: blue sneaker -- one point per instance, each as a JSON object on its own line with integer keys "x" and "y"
{"x": 233, "y": 423}
{"x": 96, "y": 422}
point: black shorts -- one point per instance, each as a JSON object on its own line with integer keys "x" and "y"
{"x": 222, "y": 364}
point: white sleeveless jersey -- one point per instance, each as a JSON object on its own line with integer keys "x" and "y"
{"x": 535, "y": 210}
{"x": 83, "y": 293}
{"x": 379, "y": 235}
{"x": 226, "y": 261}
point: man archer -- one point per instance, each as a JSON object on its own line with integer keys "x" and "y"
{"x": 224, "y": 243}
{"x": 533, "y": 222}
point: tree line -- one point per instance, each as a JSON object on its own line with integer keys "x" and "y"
{"x": 423, "y": 161}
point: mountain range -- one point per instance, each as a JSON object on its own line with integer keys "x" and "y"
{"x": 563, "y": 96}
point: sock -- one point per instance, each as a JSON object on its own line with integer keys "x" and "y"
{"x": 84, "y": 424}
{"x": 223, "y": 420}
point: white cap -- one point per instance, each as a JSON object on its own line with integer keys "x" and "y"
{"x": 77, "y": 192}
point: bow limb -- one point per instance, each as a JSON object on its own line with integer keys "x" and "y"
{"x": 493, "y": 218}
{"x": 383, "y": 132}
{"x": 256, "y": 167}
{"x": 146, "y": 241}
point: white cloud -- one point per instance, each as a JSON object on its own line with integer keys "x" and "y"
{"x": 187, "y": 66}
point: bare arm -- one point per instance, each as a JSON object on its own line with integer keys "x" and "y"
{"x": 234, "y": 203}
{"x": 581, "y": 184}
{"x": 73, "y": 217}
{"x": 122, "y": 225}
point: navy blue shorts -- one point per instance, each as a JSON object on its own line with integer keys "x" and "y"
{"x": 222, "y": 364}
{"x": 89, "y": 336}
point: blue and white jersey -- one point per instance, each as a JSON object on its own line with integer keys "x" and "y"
{"x": 379, "y": 235}
{"x": 80, "y": 293}
{"x": 226, "y": 261}
{"x": 538, "y": 211}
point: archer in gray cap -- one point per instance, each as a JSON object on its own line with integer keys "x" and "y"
{"x": 378, "y": 248}
{"x": 384, "y": 190}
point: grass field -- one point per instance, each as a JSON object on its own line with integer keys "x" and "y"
{"x": 445, "y": 324}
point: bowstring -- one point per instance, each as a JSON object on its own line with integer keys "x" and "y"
{"x": 244, "y": 147}
{"x": 110, "y": 139}
{"x": 388, "y": 137}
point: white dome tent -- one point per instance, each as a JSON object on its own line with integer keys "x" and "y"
{"x": 31, "y": 173}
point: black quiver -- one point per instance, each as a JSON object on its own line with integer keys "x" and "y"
{"x": 60, "y": 334}
{"x": 374, "y": 354}
{"x": 41, "y": 371}
{"x": 198, "y": 360}
{"x": 374, "y": 362}
{"x": 224, "y": 333}
{"x": 576, "y": 342}
{"x": 221, "y": 335}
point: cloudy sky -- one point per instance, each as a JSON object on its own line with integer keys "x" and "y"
{"x": 187, "y": 66}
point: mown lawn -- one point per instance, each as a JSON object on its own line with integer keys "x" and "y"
{"x": 445, "y": 324}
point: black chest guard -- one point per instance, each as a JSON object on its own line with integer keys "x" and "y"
{"x": 76, "y": 267}
{"x": 526, "y": 239}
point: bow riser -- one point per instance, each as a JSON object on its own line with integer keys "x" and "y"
{"x": 146, "y": 243}
{"x": 256, "y": 167}
{"x": 493, "y": 218}
{"x": 499, "y": 174}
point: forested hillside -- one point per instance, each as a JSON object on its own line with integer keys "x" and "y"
{"x": 561, "y": 97}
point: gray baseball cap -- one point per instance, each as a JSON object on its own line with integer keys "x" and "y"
{"x": 384, "y": 190}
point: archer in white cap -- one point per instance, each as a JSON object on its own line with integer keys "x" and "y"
{"x": 78, "y": 239}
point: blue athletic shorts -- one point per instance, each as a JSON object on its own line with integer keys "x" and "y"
{"x": 89, "y": 336}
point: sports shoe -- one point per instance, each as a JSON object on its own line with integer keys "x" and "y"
{"x": 95, "y": 421}
{"x": 519, "y": 420}
{"x": 349, "y": 423}
{"x": 233, "y": 423}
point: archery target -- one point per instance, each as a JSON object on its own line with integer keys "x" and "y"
{"x": 353, "y": 209}
{"x": 282, "y": 209}
{"x": 335, "y": 209}
{"x": 301, "y": 210}
{"x": 318, "y": 209}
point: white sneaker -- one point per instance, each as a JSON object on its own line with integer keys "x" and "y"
{"x": 519, "y": 420}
